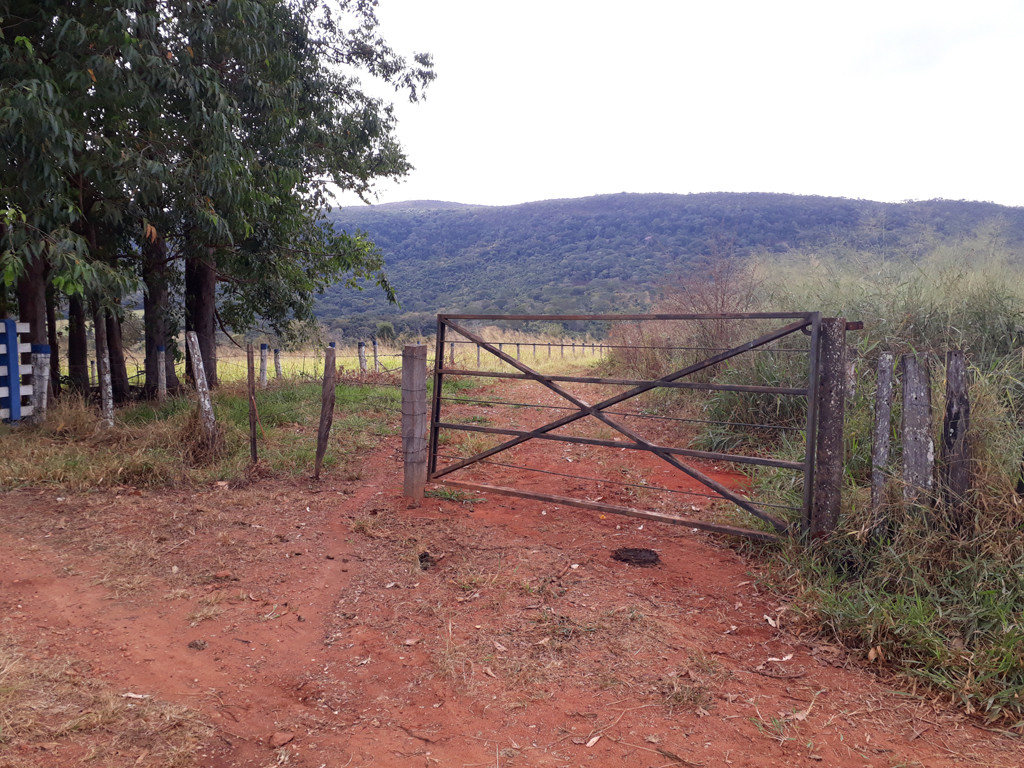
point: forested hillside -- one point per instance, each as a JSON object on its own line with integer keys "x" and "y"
{"x": 610, "y": 253}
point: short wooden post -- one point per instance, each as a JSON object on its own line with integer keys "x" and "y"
{"x": 376, "y": 363}
{"x": 414, "y": 419}
{"x": 40, "y": 381}
{"x": 478, "y": 356}
{"x": 362, "y": 357}
{"x": 323, "y": 434}
{"x": 517, "y": 350}
{"x": 955, "y": 460}
{"x": 451, "y": 353}
{"x": 264, "y": 351}
{"x": 828, "y": 462}
{"x": 161, "y": 374}
{"x": 561, "y": 347}
{"x": 881, "y": 440}
{"x": 251, "y": 380}
{"x": 103, "y": 370}
{"x": 92, "y": 372}
{"x": 549, "y": 350}
{"x": 277, "y": 364}
{"x": 918, "y": 448}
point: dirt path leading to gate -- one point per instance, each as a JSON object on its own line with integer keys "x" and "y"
{"x": 361, "y": 630}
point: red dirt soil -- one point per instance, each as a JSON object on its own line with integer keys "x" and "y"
{"x": 365, "y": 630}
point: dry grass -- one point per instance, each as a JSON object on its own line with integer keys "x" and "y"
{"x": 53, "y": 706}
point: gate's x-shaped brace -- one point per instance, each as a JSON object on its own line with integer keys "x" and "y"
{"x": 597, "y": 409}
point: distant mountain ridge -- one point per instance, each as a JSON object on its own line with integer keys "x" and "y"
{"x": 610, "y": 253}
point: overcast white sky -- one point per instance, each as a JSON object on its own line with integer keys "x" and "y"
{"x": 542, "y": 99}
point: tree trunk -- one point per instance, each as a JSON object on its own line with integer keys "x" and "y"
{"x": 78, "y": 345}
{"x": 103, "y": 366}
{"x": 118, "y": 367}
{"x": 156, "y": 309}
{"x": 51, "y": 335}
{"x": 32, "y": 300}
{"x": 200, "y": 313}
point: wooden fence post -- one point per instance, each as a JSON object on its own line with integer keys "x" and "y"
{"x": 451, "y": 353}
{"x": 881, "y": 440}
{"x": 323, "y": 434}
{"x": 828, "y": 460}
{"x": 955, "y": 470}
{"x": 918, "y": 448}
{"x": 362, "y": 357}
{"x": 161, "y": 373}
{"x": 251, "y": 380}
{"x": 414, "y": 419}
{"x": 376, "y": 363}
{"x": 477, "y": 356}
{"x": 277, "y": 364}
{"x": 264, "y": 351}
{"x": 206, "y": 417}
{"x": 92, "y": 372}
{"x": 40, "y": 381}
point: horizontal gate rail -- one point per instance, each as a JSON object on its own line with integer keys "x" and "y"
{"x": 632, "y": 382}
{"x": 737, "y": 458}
{"x": 614, "y": 509}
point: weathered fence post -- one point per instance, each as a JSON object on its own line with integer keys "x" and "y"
{"x": 251, "y": 380}
{"x": 40, "y": 381}
{"x": 264, "y": 351}
{"x": 161, "y": 373}
{"x": 918, "y": 448}
{"x": 103, "y": 367}
{"x": 362, "y": 357}
{"x": 277, "y": 364}
{"x": 477, "y": 356}
{"x": 376, "y": 363}
{"x": 414, "y": 419}
{"x": 517, "y": 350}
{"x": 828, "y": 461}
{"x": 451, "y": 352}
{"x": 881, "y": 439}
{"x": 955, "y": 469}
{"x": 206, "y": 417}
{"x": 326, "y": 411}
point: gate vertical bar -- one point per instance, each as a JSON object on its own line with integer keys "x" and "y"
{"x": 435, "y": 406}
{"x": 811, "y": 426}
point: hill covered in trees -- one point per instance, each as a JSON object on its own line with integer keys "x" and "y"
{"x": 611, "y": 253}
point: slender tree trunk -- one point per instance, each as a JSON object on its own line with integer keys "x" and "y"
{"x": 118, "y": 367}
{"x": 3, "y": 288}
{"x": 156, "y": 309}
{"x": 200, "y": 313}
{"x": 51, "y": 335}
{"x": 78, "y": 345}
{"x": 32, "y": 300}
{"x": 103, "y": 366}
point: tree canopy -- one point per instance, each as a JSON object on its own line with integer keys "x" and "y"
{"x": 193, "y": 146}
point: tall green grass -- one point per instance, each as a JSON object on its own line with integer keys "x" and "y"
{"x": 936, "y": 603}
{"x": 928, "y": 599}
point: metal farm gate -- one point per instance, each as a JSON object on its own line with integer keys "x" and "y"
{"x": 649, "y": 438}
